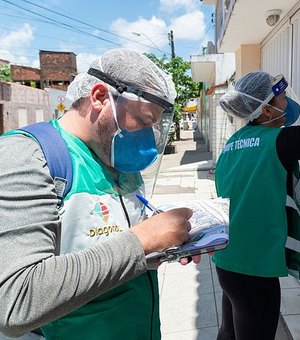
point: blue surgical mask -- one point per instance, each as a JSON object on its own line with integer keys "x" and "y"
{"x": 133, "y": 151}
{"x": 292, "y": 112}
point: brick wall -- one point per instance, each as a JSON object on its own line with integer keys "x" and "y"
{"x": 24, "y": 73}
{"x": 56, "y": 71}
{"x": 57, "y": 66}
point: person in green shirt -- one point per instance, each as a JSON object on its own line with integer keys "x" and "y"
{"x": 255, "y": 170}
{"x": 80, "y": 272}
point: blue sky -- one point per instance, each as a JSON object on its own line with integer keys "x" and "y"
{"x": 26, "y": 26}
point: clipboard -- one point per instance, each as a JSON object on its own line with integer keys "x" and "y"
{"x": 209, "y": 232}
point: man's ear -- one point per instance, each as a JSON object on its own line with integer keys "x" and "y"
{"x": 266, "y": 110}
{"x": 99, "y": 94}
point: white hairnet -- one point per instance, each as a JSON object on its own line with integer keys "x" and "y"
{"x": 245, "y": 101}
{"x": 129, "y": 67}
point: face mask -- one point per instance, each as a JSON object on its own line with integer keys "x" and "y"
{"x": 292, "y": 112}
{"x": 133, "y": 151}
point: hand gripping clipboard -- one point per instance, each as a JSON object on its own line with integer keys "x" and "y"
{"x": 209, "y": 233}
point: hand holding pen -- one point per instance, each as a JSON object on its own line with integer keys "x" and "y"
{"x": 164, "y": 230}
{"x": 156, "y": 211}
{"x": 148, "y": 205}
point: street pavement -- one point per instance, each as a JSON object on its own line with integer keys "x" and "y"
{"x": 190, "y": 295}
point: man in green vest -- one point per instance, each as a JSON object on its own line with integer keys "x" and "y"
{"x": 255, "y": 170}
{"x": 80, "y": 272}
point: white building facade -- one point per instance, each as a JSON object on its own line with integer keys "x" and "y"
{"x": 262, "y": 35}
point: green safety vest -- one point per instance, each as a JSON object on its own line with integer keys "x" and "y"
{"x": 250, "y": 173}
{"x": 93, "y": 212}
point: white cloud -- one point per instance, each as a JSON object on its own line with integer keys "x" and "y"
{"x": 84, "y": 60}
{"x": 150, "y": 34}
{"x": 23, "y": 37}
{"x": 187, "y": 24}
{"x": 35, "y": 63}
{"x": 175, "y": 5}
{"x": 193, "y": 23}
{"x": 13, "y": 44}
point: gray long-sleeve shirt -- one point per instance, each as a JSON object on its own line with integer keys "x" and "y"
{"x": 37, "y": 285}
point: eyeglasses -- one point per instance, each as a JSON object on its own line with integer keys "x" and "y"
{"x": 121, "y": 87}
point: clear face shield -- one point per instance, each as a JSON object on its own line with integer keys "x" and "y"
{"x": 133, "y": 113}
{"x": 292, "y": 110}
{"x": 143, "y": 121}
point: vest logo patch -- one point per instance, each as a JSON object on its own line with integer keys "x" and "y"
{"x": 101, "y": 210}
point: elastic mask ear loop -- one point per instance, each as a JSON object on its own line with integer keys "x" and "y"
{"x": 114, "y": 111}
{"x": 112, "y": 102}
{"x": 118, "y": 132}
{"x": 257, "y": 112}
{"x": 272, "y": 120}
{"x": 113, "y": 107}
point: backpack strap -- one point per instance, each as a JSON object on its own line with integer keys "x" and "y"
{"x": 56, "y": 153}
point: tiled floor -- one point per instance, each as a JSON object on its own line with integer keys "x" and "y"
{"x": 189, "y": 301}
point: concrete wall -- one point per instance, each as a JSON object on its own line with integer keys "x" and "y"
{"x": 247, "y": 59}
{"x": 59, "y": 104}
{"x": 221, "y": 127}
{"x": 22, "y": 105}
{"x": 4, "y": 62}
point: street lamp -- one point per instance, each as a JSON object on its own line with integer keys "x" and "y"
{"x": 139, "y": 34}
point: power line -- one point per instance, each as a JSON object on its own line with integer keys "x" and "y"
{"x": 140, "y": 34}
{"x": 22, "y": 17}
{"x": 80, "y": 29}
{"x": 91, "y": 26}
{"x": 72, "y": 28}
{"x": 76, "y": 20}
{"x": 43, "y": 36}
{"x": 61, "y": 23}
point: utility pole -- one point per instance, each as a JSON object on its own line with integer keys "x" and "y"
{"x": 171, "y": 40}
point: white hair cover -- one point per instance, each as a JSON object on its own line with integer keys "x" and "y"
{"x": 129, "y": 67}
{"x": 248, "y": 97}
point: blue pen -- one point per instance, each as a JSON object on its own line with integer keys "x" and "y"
{"x": 148, "y": 205}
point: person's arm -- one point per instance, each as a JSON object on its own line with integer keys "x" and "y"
{"x": 37, "y": 285}
{"x": 287, "y": 146}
